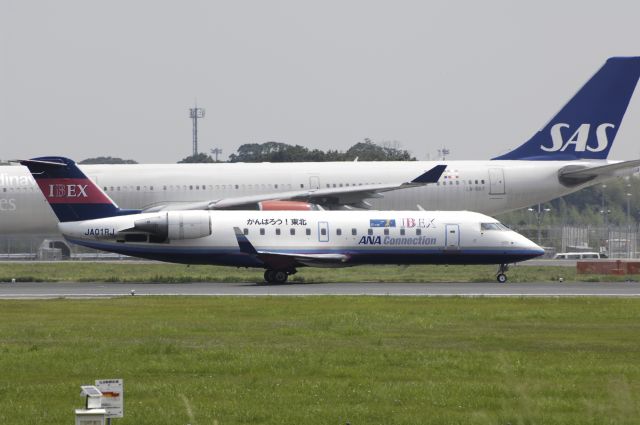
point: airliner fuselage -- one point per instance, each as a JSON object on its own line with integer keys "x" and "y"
{"x": 489, "y": 187}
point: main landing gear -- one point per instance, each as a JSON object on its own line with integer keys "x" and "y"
{"x": 501, "y": 277}
{"x": 276, "y": 276}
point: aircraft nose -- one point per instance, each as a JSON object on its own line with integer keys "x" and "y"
{"x": 527, "y": 244}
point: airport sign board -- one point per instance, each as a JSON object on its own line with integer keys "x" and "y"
{"x": 112, "y": 396}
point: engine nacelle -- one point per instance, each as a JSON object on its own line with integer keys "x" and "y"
{"x": 286, "y": 206}
{"x": 177, "y": 225}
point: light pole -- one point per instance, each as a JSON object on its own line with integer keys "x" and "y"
{"x": 628, "y": 223}
{"x": 195, "y": 114}
{"x": 443, "y": 153}
{"x": 605, "y": 221}
{"x": 539, "y": 213}
{"x": 216, "y": 152}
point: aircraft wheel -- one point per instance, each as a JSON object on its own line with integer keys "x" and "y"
{"x": 280, "y": 276}
{"x": 502, "y": 278}
{"x": 268, "y": 276}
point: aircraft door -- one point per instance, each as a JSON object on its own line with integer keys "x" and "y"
{"x": 314, "y": 182}
{"x": 496, "y": 181}
{"x": 452, "y": 236}
{"x": 323, "y": 231}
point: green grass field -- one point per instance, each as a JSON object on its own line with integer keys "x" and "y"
{"x": 326, "y": 360}
{"x": 163, "y": 272}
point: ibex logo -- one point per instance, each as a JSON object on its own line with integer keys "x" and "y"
{"x": 579, "y": 139}
{"x": 68, "y": 191}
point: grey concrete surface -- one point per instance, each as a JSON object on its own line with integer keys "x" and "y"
{"x": 33, "y": 290}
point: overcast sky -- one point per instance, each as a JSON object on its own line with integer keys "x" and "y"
{"x": 87, "y": 78}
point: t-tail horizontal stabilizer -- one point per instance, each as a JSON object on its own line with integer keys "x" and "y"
{"x": 586, "y": 127}
{"x": 70, "y": 193}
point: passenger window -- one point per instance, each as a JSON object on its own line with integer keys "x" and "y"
{"x": 237, "y": 186}
{"x": 137, "y": 187}
{"x": 401, "y": 232}
{"x": 190, "y": 187}
{"x": 262, "y": 231}
{"x": 476, "y": 181}
{"x": 339, "y": 232}
{"x": 278, "y": 232}
{"x": 370, "y": 232}
{"x": 386, "y": 231}
{"x": 292, "y": 232}
{"x": 164, "y": 187}
{"x": 105, "y": 188}
{"x": 323, "y": 232}
{"x": 308, "y": 231}
{"x": 246, "y": 231}
{"x": 418, "y": 232}
{"x": 276, "y": 185}
{"x": 354, "y": 232}
{"x": 301, "y": 186}
{"x": 482, "y": 181}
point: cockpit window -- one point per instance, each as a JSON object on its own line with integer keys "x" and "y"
{"x": 492, "y": 226}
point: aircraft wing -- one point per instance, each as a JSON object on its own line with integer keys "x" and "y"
{"x": 284, "y": 260}
{"x": 330, "y": 198}
{"x": 576, "y": 174}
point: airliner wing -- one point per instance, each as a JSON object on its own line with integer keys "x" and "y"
{"x": 330, "y": 198}
{"x": 284, "y": 260}
{"x": 575, "y": 174}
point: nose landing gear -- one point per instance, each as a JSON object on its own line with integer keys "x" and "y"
{"x": 501, "y": 277}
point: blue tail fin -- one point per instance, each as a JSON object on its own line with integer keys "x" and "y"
{"x": 587, "y": 125}
{"x": 69, "y": 192}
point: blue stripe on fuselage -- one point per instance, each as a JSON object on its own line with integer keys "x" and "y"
{"x": 231, "y": 256}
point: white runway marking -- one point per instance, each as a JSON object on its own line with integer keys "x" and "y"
{"x": 105, "y": 290}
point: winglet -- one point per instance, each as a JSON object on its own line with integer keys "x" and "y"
{"x": 431, "y": 176}
{"x": 244, "y": 244}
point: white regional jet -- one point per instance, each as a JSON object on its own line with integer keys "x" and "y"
{"x": 278, "y": 241}
{"x": 567, "y": 154}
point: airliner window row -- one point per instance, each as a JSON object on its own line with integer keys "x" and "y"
{"x": 323, "y": 232}
{"x": 20, "y": 189}
{"x": 457, "y": 182}
{"x": 221, "y": 186}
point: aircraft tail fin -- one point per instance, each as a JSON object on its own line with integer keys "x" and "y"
{"x": 70, "y": 193}
{"x": 586, "y": 127}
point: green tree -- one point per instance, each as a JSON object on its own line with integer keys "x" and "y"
{"x": 107, "y": 160}
{"x": 199, "y": 158}
{"x": 282, "y": 152}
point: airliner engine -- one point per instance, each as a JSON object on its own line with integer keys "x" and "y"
{"x": 176, "y": 225}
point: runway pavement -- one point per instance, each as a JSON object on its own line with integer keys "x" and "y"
{"x": 31, "y": 290}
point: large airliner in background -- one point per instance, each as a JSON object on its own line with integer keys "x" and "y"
{"x": 567, "y": 154}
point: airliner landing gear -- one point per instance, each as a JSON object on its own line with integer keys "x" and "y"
{"x": 276, "y": 276}
{"x": 501, "y": 277}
